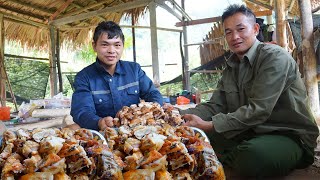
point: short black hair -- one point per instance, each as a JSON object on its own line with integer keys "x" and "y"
{"x": 236, "y": 8}
{"x": 111, "y": 28}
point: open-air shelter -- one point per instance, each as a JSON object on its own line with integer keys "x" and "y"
{"x": 48, "y": 23}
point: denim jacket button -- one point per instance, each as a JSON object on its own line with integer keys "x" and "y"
{"x": 100, "y": 100}
{"x": 136, "y": 91}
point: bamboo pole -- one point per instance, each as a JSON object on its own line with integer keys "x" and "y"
{"x": 52, "y": 62}
{"x": 309, "y": 56}
{"x": 2, "y": 73}
{"x": 281, "y": 24}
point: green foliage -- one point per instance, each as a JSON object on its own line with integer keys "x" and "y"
{"x": 86, "y": 54}
{"x": 199, "y": 82}
{"x": 28, "y": 78}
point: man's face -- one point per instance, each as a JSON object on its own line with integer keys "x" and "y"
{"x": 109, "y": 51}
{"x": 240, "y": 32}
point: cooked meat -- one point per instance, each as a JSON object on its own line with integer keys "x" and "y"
{"x": 49, "y": 159}
{"x": 133, "y": 161}
{"x": 38, "y": 176}
{"x": 23, "y": 134}
{"x": 109, "y": 169}
{"x": 39, "y": 134}
{"x": 79, "y": 164}
{"x": 6, "y": 152}
{"x": 12, "y": 165}
{"x": 51, "y": 145}
{"x": 131, "y": 144}
{"x": 30, "y": 147}
{"x": 9, "y": 136}
{"x": 56, "y": 167}
{"x": 67, "y": 133}
{"x": 181, "y": 174}
{"x": 32, "y": 164}
{"x": 163, "y": 175}
{"x": 158, "y": 164}
{"x": 83, "y": 134}
{"x": 150, "y": 157}
{"x": 141, "y": 174}
{"x": 152, "y": 141}
{"x": 61, "y": 176}
{"x": 141, "y": 131}
{"x": 110, "y": 133}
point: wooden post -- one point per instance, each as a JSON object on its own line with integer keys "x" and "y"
{"x": 154, "y": 44}
{"x": 309, "y": 56}
{"x": 58, "y": 62}
{"x": 281, "y": 24}
{"x": 52, "y": 62}
{"x": 2, "y": 73}
{"x": 133, "y": 38}
{"x": 185, "y": 60}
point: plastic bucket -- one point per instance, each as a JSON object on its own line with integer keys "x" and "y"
{"x": 5, "y": 113}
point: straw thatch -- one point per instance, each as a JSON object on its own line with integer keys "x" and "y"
{"x": 292, "y": 6}
{"x": 28, "y": 21}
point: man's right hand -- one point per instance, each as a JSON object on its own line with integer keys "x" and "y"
{"x": 105, "y": 122}
{"x": 195, "y": 121}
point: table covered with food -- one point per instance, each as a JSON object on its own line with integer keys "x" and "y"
{"x": 147, "y": 142}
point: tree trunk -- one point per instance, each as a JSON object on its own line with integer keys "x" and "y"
{"x": 309, "y": 56}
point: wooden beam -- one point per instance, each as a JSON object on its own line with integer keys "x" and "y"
{"x": 61, "y": 8}
{"x": 260, "y": 4}
{"x": 154, "y": 44}
{"x": 316, "y": 9}
{"x": 24, "y": 20}
{"x": 86, "y": 8}
{"x": 123, "y": 26}
{"x": 309, "y": 57}
{"x": 198, "y": 21}
{"x": 28, "y": 14}
{"x": 33, "y": 6}
{"x": 2, "y": 73}
{"x": 263, "y": 13}
{"x": 58, "y": 61}
{"x": 79, "y": 6}
{"x": 117, "y": 8}
{"x": 185, "y": 57}
{"x": 291, "y": 5}
{"x": 52, "y": 62}
{"x": 281, "y": 24}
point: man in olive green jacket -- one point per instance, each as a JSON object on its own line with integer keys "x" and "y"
{"x": 258, "y": 120}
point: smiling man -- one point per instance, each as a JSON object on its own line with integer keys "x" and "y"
{"x": 104, "y": 87}
{"x": 258, "y": 119}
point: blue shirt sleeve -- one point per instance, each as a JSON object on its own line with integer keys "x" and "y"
{"x": 82, "y": 106}
{"x": 148, "y": 91}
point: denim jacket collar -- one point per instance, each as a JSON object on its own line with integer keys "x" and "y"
{"x": 119, "y": 69}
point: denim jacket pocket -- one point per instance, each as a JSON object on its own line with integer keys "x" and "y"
{"x": 103, "y": 102}
{"x": 132, "y": 96}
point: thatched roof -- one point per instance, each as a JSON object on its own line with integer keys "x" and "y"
{"x": 291, "y": 5}
{"x": 28, "y": 21}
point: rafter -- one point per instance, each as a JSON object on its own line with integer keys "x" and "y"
{"x": 86, "y": 8}
{"x": 117, "y": 8}
{"x": 18, "y": 11}
{"x": 33, "y": 6}
{"x": 260, "y": 4}
{"x": 79, "y": 6}
{"x": 24, "y": 20}
{"x": 61, "y": 8}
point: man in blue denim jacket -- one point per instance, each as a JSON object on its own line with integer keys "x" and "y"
{"x": 104, "y": 87}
